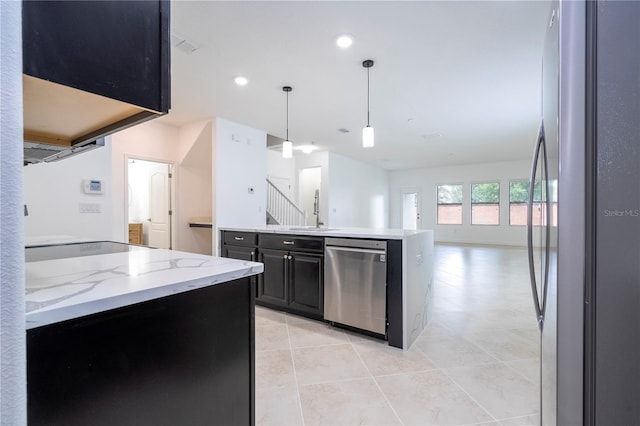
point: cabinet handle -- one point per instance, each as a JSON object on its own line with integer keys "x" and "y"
{"x": 285, "y": 257}
{"x": 238, "y": 238}
{"x": 289, "y": 257}
{"x": 253, "y": 255}
{"x": 288, "y": 243}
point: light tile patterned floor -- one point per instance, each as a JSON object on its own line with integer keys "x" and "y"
{"x": 476, "y": 363}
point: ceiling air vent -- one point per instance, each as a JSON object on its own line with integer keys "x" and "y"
{"x": 343, "y": 130}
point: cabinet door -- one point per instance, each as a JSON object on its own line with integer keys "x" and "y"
{"x": 306, "y": 290}
{"x": 240, "y": 253}
{"x": 116, "y": 49}
{"x": 272, "y": 288}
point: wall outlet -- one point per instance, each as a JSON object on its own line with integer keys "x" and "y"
{"x": 90, "y": 208}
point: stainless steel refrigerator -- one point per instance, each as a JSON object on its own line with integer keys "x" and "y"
{"x": 584, "y": 215}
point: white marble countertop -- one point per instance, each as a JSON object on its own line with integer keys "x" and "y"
{"x": 383, "y": 233}
{"x": 62, "y": 289}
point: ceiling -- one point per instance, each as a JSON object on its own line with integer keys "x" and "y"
{"x": 453, "y": 82}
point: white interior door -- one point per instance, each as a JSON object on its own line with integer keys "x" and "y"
{"x": 159, "y": 207}
{"x": 410, "y": 210}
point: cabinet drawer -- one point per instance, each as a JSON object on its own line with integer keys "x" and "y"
{"x": 240, "y": 238}
{"x": 292, "y": 242}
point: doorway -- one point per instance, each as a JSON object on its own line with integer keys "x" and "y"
{"x": 149, "y": 203}
{"x": 309, "y": 184}
{"x": 410, "y": 209}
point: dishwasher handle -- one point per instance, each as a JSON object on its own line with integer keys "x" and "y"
{"x": 356, "y": 250}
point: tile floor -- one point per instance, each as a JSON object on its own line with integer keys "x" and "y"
{"x": 475, "y": 364}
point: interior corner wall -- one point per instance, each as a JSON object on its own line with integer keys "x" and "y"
{"x": 148, "y": 141}
{"x": 53, "y": 194}
{"x": 195, "y": 186}
{"x": 358, "y": 194}
{"x": 239, "y": 176}
{"x": 426, "y": 180}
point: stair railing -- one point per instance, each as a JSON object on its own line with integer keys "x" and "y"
{"x": 282, "y": 209}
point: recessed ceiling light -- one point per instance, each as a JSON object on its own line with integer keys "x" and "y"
{"x": 241, "y": 81}
{"x": 344, "y": 41}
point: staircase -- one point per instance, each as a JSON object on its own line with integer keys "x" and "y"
{"x": 281, "y": 210}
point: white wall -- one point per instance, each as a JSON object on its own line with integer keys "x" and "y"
{"x": 148, "y": 141}
{"x": 281, "y": 170}
{"x": 240, "y": 170}
{"x": 194, "y": 187}
{"x": 426, "y": 180}
{"x": 310, "y": 181}
{"x": 317, "y": 159}
{"x": 358, "y": 194}
{"x": 13, "y": 378}
{"x": 53, "y": 194}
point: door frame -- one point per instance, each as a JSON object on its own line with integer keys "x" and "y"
{"x": 410, "y": 190}
{"x": 172, "y": 195}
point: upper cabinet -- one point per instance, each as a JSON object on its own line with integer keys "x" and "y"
{"x": 93, "y": 67}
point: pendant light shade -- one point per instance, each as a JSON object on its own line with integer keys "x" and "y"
{"x": 287, "y": 145}
{"x": 367, "y": 136}
{"x": 367, "y": 131}
{"x": 287, "y": 149}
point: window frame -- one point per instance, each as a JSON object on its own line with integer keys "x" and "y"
{"x": 438, "y": 204}
{"x": 498, "y": 203}
{"x": 525, "y": 180}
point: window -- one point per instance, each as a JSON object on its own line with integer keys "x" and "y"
{"x": 449, "y": 204}
{"x": 518, "y": 194}
{"x": 485, "y": 203}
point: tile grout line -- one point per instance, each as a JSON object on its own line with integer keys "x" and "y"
{"x": 295, "y": 373}
{"x": 494, "y": 418}
{"x": 377, "y": 385}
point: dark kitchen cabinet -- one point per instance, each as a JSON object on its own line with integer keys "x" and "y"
{"x": 241, "y": 246}
{"x": 292, "y": 279}
{"x": 184, "y": 359}
{"x": 93, "y": 67}
{"x": 272, "y": 286}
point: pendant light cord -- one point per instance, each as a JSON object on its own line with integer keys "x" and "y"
{"x": 367, "y": 96}
{"x": 287, "y": 116}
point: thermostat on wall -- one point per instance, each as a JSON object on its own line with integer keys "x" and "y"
{"x": 92, "y": 186}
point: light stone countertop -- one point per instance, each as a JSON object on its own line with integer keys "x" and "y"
{"x": 381, "y": 233}
{"x": 62, "y": 289}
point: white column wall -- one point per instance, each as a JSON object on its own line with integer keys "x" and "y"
{"x": 13, "y": 358}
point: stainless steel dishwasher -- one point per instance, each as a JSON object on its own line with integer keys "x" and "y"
{"x": 355, "y": 283}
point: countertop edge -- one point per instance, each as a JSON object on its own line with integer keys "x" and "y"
{"x": 367, "y": 233}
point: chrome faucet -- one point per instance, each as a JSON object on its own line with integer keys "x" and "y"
{"x": 316, "y": 207}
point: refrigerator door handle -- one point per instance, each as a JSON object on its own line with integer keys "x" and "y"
{"x": 539, "y": 148}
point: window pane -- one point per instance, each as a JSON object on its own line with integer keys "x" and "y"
{"x": 449, "y": 194}
{"x": 449, "y": 204}
{"x": 485, "y": 193}
{"x": 450, "y": 214}
{"x": 485, "y": 203}
{"x": 518, "y": 196}
{"x": 518, "y": 191}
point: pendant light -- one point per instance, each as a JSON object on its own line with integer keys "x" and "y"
{"x": 367, "y": 131}
{"x": 287, "y": 145}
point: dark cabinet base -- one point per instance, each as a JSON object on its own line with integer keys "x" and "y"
{"x": 184, "y": 359}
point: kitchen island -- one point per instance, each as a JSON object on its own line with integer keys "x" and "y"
{"x": 121, "y": 334}
{"x": 409, "y": 277}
